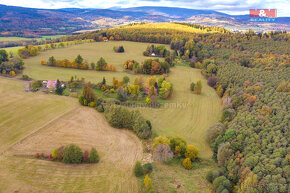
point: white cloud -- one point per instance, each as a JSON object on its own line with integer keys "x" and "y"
{"x": 226, "y": 6}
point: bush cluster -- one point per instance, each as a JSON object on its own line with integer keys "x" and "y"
{"x": 140, "y": 170}
{"x": 80, "y": 63}
{"x": 149, "y": 66}
{"x": 119, "y": 49}
{"x": 165, "y": 148}
{"x": 120, "y": 117}
{"x": 72, "y": 154}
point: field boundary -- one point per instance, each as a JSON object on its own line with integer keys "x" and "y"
{"x": 37, "y": 130}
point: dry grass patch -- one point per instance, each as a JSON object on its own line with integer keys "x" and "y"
{"x": 118, "y": 149}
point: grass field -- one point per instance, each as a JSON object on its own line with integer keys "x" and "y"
{"x": 2, "y": 39}
{"x": 192, "y": 114}
{"x": 22, "y": 112}
{"x": 185, "y": 114}
{"x": 90, "y": 52}
{"x": 36, "y": 122}
{"x": 14, "y": 50}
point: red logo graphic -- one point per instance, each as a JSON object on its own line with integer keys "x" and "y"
{"x": 263, "y": 13}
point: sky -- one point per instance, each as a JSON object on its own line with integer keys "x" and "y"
{"x": 234, "y": 7}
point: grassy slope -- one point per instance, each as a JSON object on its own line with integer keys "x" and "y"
{"x": 194, "y": 116}
{"x": 90, "y": 52}
{"x": 199, "y": 113}
{"x": 118, "y": 149}
{"x": 189, "y": 121}
{"x": 2, "y": 39}
{"x": 23, "y": 112}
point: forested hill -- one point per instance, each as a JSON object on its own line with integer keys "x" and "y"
{"x": 30, "y": 22}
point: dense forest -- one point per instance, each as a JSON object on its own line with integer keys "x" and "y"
{"x": 250, "y": 72}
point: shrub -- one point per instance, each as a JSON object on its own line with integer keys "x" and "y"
{"x": 224, "y": 153}
{"x": 177, "y": 145}
{"x": 165, "y": 89}
{"x": 36, "y": 84}
{"x": 222, "y": 184}
{"x": 92, "y": 104}
{"x": 86, "y": 156}
{"x": 162, "y": 153}
{"x": 191, "y": 152}
{"x": 119, "y": 49}
{"x": 283, "y": 87}
{"x": 148, "y": 168}
{"x": 120, "y": 117}
{"x": 141, "y": 128}
{"x": 94, "y": 156}
{"x": 60, "y": 153}
{"x": 101, "y": 64}
{"x": 88, "y": 93}
{"x": 211, "y": 81}
{"x": 37, "y": 155}
{"x": 213, "y": 174}
{"x": 100, "y": 108}
{"x": 160, "y": 140}
{"x": 12, "y": 73}
{"x": 54, "y": 153}
{"x": 148, "y": 184}
{"x": 122, "y": 94}
{"x": 26, "y": 77}
{"x": 81, "y": 100}
{"x": 220, "y": 91}
{"x": 214, "y": 131}
{"x": 116, "y": 116}
{"x": 138, "y": 169}
{"x": 187, "y": 163}
{"x": 198, "y": 87}
{"x": 211, "y": 68}
{"x": 72, "y": 154}
{"x": 192, "y": 86}
{"x": 228, "y": 114}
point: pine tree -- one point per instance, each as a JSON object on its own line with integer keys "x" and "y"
{"x": 59, "y": 89}
{"x": 79, "y": 60}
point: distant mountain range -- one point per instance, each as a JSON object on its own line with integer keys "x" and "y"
{"x": 30, "y": 22}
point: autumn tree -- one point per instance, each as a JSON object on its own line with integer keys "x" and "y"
{"x": 51, "y": 61}
{"x": 79, "y": 61}
{"x": 191, "y": 152}
{"x": 87, "y": 94}
{"x": 198, "y": 87}
{"x": 101, "y": 64}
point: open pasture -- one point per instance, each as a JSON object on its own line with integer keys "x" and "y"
{"x": 43, "y": 122}
{"x": 91, "y": 52}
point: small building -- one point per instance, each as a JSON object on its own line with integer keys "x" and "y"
{"x": 153, "y": 54}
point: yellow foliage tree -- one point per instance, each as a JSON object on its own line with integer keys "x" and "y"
{"x": 160, "y": 140}
{"x": 12, "y": 73}
{"x": 198, "y": 87}
{"x": 220, "y": 91}
{"x": 134, "y": 90}
{"x": 150, "y": 81}
{"x": 187, "y": 163}
{"x": 249, "y": 184}
{"x": 191, "y": 152}
{"x": 148, "y": 184}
